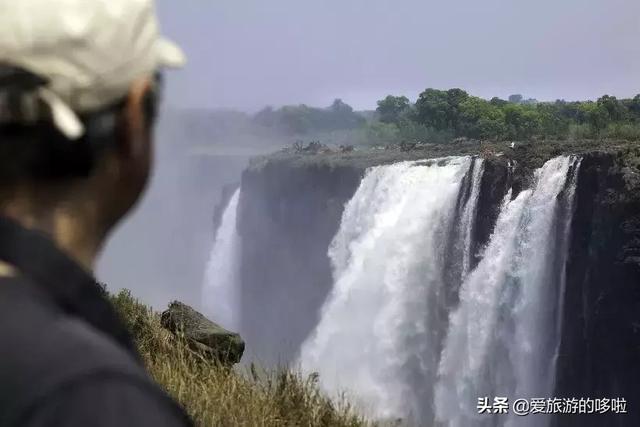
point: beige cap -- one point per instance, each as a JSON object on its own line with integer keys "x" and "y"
{"x": 90, "y": 51}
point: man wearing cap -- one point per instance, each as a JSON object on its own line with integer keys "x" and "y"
{"x": 78, "y": 97}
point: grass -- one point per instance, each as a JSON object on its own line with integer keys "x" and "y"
{"x": 217, "y": 396}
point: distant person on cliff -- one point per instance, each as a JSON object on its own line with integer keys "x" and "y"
{"x": 78, "y": 100}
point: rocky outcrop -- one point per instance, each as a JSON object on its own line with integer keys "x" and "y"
{"x": 204, "y": 336}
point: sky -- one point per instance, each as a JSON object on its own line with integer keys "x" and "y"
{"x": 246, "y": 54}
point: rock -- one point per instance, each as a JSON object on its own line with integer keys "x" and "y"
{"x": 204, "y": 335}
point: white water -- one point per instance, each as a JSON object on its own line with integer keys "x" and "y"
{"x": 389, "y": 334}
{"x": 220, "y": 293}
{"x": 381, "y": 327}
{"x": 502, "y": 338}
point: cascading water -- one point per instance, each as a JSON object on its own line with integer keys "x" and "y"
{"x": 220, "y": 293}
{"x": 379, "y": 335}
{"x": 391, "y": 336}
{"x": 502, "y": 338}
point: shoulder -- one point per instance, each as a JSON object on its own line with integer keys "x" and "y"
{"x": 108, "y": 401}
{"x": 46, "y": 354}
{"x": 41, "y": 344}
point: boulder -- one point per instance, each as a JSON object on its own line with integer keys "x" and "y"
{"x": 204, "y": 335}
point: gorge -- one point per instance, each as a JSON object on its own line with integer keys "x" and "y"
{"x": 418, "y": 282}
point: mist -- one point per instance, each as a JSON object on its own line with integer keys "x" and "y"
{"x": 244, "y": 56}
{"x": 159, "y": 252}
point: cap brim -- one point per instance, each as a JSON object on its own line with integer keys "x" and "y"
{"x": 170, "y": 54}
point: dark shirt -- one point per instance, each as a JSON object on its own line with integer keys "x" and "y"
{"x": 65, "y": 358}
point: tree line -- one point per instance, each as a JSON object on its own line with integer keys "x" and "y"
{"x": 302, "y": 119}
{"x": 440, "y": 116}
{"x": 447, "y": 114}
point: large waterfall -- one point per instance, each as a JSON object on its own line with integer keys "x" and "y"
{"x": 381, "y": 327}
{"x": 418, "y": 325}
{"x": 503, "y": 336}
{"x": 220, "y": 295}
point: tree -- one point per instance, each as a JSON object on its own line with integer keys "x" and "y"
{"x": 523, "y": 122}
{"x": 440, "y": 109}
{"x": 516, "y": 99}
{"x": 393, "y": 108}
{"x": 296, "y": 119}
{"x": 596, "y": 115}
{"x": 431, "y": 109}
{"x": 455, "y": 97}
{"x": 341, "y": 116}
{"x": 498, "y": 102}
{"x": 614, "y": 108}
{"x": 481, "y": 119}
{"x": 552, "y": 121}
{"x": 301, "y": 119}
{"x": 634, "y": 105}
{"x": 339, "y": 107}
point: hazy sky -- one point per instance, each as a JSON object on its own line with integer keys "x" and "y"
{"x": 245, "y": 54}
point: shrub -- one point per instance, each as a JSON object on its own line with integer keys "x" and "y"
{"x": 581, "y": 132}
{"x": 625, "y": 131}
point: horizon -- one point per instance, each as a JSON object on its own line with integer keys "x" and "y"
{"x": 243, "y": 56}
{"x": 186, "y": 109}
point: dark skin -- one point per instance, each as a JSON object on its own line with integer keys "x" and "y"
{"x": 78, "y": 215}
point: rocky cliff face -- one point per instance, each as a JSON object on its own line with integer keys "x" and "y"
{"x": 291, "y": 207}
{"x": 287, "y": 217}
{"x": 600, "y": 349}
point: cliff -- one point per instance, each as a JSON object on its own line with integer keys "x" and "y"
{"x": 600, "y": 348}
{"x": 290, "y": 209}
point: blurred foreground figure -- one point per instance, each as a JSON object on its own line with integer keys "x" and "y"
{"x": 78, "y": 98}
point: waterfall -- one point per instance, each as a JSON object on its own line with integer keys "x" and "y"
{"x": 416, "y": 326}
{"x": 380, "y": 331}
{"x": 502, "y": 338}
{"x": 220, "y": 293}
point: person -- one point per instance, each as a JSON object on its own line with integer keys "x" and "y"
{"x": 79, "y": 91}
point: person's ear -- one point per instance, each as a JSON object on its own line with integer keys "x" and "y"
{"x": 129, "y": 164}
{"x": 136, "y": 131}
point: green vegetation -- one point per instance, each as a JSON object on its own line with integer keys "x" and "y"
{"x": 439, "y": 115}
{"x": 301, "y": 119}
{"x": 217, "y": 396}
